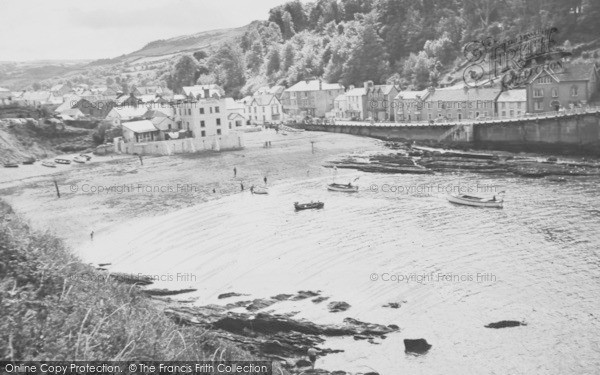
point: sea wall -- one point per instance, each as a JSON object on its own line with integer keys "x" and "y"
{"x": 569, "y": 134}
{"x": 232, "y": 141}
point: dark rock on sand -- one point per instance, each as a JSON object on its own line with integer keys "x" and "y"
{"x": 338, "y": 306}
{"x": 230, "y": 294}
{"x": 259, "y": 304}
{"x": 166, "y": 292}
{"x": 392, "y": 305}
{"x": 281, "y": 297}
{"x": 505, "y": 324}
{"x": 304, "y": 294}
{"x": 320, "y": 299}
{"x": 419, "y": 346}
{"x": 303, "y": 363}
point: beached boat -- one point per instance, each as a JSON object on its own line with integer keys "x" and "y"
{"x": 87, "y": 157}
{"x": 79, "y": 159}
{"x": 29, "y": 161}
{"x": 348, "y": 188}
{"x": 469, "y": 200}
{"x": 11, "y": 165}
{"x": 62, "y": 161}
{"x": 49, "y": 164}
{"x": 259, "y": 190}
{"x": 308, "y": 206}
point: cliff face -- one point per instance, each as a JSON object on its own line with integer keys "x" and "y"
{"x": 21, "y": 139}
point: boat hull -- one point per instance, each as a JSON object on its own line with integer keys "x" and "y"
{"x": 49, "y": 164}
{"x": 487, "y": 203}
{"x": 342, "y": 188}
{"x": 308, "y": 206}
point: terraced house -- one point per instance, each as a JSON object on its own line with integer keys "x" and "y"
{"x": 313, "y": 98}
{"x": 380, "y": 101}
{"x": 571, "y": 87}
{"x": 460, "y": 103}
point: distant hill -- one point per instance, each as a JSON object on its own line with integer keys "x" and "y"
{"x": 20, "y": 75}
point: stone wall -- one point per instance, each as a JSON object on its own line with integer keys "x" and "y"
{"x": 232, "y": 141}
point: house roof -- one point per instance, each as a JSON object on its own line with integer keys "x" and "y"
{"x": 264, "y": 99}
{"x": 341, "y": 97}
{"x": 517, "y": 95}
{"x": 143, "y": 126}
{"x": 314, "y": 85}
{"x": 128, "y": 112}
{"x": 198, "y": 90}
{"x": 461, "y": 95}
{"x": 233, "y": 115}
{"x": 576, "y": 72}
{"x": 384, "y": 89}
{"x": 359, "y": 91}
{"x": 412, "y": 95}
{"x": 160, "y": 112}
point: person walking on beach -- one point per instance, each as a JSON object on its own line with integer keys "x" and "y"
{"x": 312, "y": 356}
{"x": 242, "y": 185}
{"x": 234, "y": 171}
{"x": 92, "y": 236}
{"x": 265, "y": 180}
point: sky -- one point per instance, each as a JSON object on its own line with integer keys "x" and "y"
{"x": 87, "y": 29}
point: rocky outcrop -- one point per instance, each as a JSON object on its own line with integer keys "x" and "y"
{"x": 505, "y": 324}
{"x": 418, "y": 346}
{"x": 338, "y": 306}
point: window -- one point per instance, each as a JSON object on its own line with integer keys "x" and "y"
{"x": 188, "y": 125}
{"x": 203, "y": 133}
{"x": 545, "y": 80}
{"x": 429, "y": 115}
{"x": 503, "y": 105}
{"x": 538, "y": 93}
{"x": 216, "y": 109}
{"x": 218, "y": 122}
{"x": 512, "y": 113}
{"x": 538, "y": 106}
{"x": 574, "y": 90}
{"x": 503, "y": 113}
{"x": 189, "y": 111}
{"x": 554, "y": 92}
{"x": 218, "y": 131}
{"x": 254, "y": 109}
{"x": 202, "y": 124}
{"x": 519, "y": 105}
{"x": 263, "y": 109}
{"x": 229, "y": 124}
{"x": 201, "y": 111}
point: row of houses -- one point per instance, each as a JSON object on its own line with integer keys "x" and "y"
{"x": 574, "y": 86}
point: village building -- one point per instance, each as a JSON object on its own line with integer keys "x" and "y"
{"x": 95, "y": 106}
{"x": 203, "y": 117}
{"x": 236, "y": 116}
{"x": 380, "y": 101}
{"x": 340, "y": 108}
{"x": 356, "y": 103}
{"x": 409, "y": 105}
{"x": 569, "y": 88}
{"x": 38, "y": 99}
{"x": 61, "y": 90}
{"x": 140, "y": 131}
{"x": 265, "y": 109}
{"x": 456, "y": 104}
{"x": 164, "y": 119}
{"x": 312, "y": 98}
{"x": 512, "y": 103}
{"x": 118, "y": 114}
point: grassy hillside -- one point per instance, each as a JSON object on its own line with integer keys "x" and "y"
{"x": 53, "y": 307}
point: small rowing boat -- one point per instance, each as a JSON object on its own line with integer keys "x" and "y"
{"x": 79, "y": 159}
{"x": 62, "y": 161}
{"x": 308, "y": 206}
{"x": 49, "y": 164}
{"x": 11, "y": 165}
{"x": 87, "y": 157}
{"x": 469, "y": 200}
{"x": 29, "y": 161}
{"x": 259, "y": 190}
{"x": 348, "y": 188}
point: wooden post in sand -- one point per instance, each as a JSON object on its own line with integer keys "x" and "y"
{"x": 57, "y": 189}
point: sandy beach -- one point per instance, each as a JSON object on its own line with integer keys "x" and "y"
{"x": 112, "y": 189}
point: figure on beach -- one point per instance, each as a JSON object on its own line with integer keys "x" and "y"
{"x": 251, "y": 189}
{"x": 312, "y": 356}
{"x": 242, "y": 185}
{"x": 265, "y": 180}
{"x": 234, "y": 171}
{"x": 92, "y": 236}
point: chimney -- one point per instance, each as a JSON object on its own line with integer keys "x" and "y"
{"x": 431, "y": 89}
{"x": 206, "y": 93}
{"x": 351, "y": 87}
{"x": 368, "y": 84}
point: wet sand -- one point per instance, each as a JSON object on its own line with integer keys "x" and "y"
{"x": 113, "y": 189}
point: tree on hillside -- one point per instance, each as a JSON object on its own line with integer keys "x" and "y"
{"x": 254, "y": 57}
{"x": 273, "y": 61}
{"x": 109, "y": 81}
{"x": 288, "y": 30}
{"x": 37, "y": 86}
{"x": 288, "y": 56}
{"x": 228, "y": 64}
{"x": 184, "y": 73}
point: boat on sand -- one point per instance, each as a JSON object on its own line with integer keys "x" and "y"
{"x": 49, "y": 164}
{"x": 259, "y": 190}
{"x": 308, "y": 206}
{"x": 11, "y": 165}
{"x": 469, "y": 200}
{"x": 348, "y": 188}
{"x": 62, "y": 161}
{"x": 79, "y": 159}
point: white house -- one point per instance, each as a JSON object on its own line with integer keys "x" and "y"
{"x": 203, "y": 117}
{"x": 512, "y": 103}
{"x": 203, "y": 91}
{"x": 140, "y": 131}
{"x": 118, "y": 115}
{"x": 265, "y": 109}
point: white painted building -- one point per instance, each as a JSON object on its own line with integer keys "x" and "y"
{"x": 203, "y": 117}
{"x": 512, "y": 103}
{"x": 265, "y": 109}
